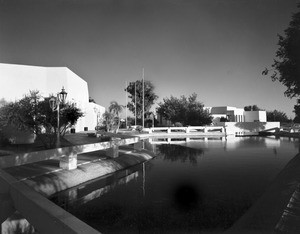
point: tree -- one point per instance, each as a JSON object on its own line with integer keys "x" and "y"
{"x": 108, "y": 120}
{"x": 187, "y": 111}
{"x": 32, "y": 113}
{"x": 150, "y": 97}
{"x": 92, "y": 100}
{"x": 112, "y": 117}
{"x": 223, "y": 119}
{"x": 252, "y": 108}
{"x": 116, "y": 109}
{"x": 297, "y": 112}
{"x": 286, "y": 66}
{"x": 277, "y": 116}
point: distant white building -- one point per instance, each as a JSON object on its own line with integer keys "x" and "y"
{"x": 239, "y": 121}
{"x": 235, "y": 120}
{"x": 18, "y": 80}
{"x": 234, "y": 114}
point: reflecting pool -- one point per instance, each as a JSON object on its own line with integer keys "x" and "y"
{"x": 192, "y": 185}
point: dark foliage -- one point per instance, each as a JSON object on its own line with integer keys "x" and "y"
{"x": 277, "y": 116}
{"x": 150, "y": 97}
{"x": 187, "y": 111}
{"x": 32, "y": 113}
{"x": 287, "y": 63}
{"x": 252, "y": 108}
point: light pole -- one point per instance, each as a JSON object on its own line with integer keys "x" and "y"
{"x": 135, "y": 103}
{"x": 153, "y": 116}
{"x": 143, "y": 117}
{"x": 97, "y": 116}
{"x": 54, "y": 105}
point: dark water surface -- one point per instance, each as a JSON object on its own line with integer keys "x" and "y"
{"x": 203, "y": 185}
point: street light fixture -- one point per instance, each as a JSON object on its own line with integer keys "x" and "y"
{"x": 54, "y": 105}
{"x": 97, "y": 116}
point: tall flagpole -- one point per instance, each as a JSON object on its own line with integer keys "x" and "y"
{"x": 143, "y": 98}
{"x": 135, "y": 103}
{"x": 126, "y": 104}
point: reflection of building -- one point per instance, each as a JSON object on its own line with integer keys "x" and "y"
{"x": 18, "y": 80}
{"x": 234, "y": 114}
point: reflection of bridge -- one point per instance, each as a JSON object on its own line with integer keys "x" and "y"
{"x": 181, "y": 139}
{"x": 44, "y": 215}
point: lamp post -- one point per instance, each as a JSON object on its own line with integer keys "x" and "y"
{"x": 153, "y": 116}
{"x": 54, "y": 105}
{"x": 97, "y": 116}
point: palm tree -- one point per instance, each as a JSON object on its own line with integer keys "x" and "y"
{"x": 108, "y": 120}
{"x": 116, "y": 109}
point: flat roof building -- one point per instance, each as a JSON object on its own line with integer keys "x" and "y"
{"x": 234, "y": 114}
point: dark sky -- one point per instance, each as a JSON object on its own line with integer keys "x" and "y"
{"x": 215, "y": 48}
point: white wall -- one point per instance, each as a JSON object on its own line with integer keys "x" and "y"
{"x": 93, "y": 114}
{"x": 251, "y": 116}
{"x": 238, "y": 115}
{"x": 18, "y": 80}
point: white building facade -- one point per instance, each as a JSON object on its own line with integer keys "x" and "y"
{"x": 239, "y": 121}
{"x": 234, "y": 114}
{"x": 18, "y": 80}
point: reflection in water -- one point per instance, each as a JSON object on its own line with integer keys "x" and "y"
{"x": 75, "y": 197}
{"x": 180, "y": 153}
{"x": 144, "y": 179}
{"x": 175, "y": 192}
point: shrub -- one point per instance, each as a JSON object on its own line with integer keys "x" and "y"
{"x": 178, "y": 124}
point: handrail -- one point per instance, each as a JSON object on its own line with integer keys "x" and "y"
{"x": 31, "y": 157}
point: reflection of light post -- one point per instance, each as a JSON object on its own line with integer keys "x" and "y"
{"x": 54, "y": 105}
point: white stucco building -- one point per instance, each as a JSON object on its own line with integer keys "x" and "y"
{"x": 239, "y": 120}
{"x": 234, "y": 114}
{"x": 18, "y": 80}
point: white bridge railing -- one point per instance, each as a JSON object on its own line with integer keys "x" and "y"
{"x": 190, "y": 129}
{"x": 67, "y": 155}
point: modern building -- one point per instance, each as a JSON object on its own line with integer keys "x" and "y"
{"x": 238, "y": 121}
{"x": 234, "y": 114}
{"x": 18, "y": 80}
{"x": 235, "y": 120}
